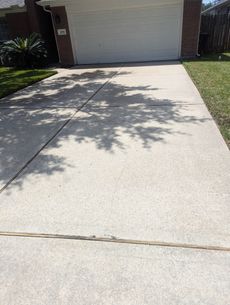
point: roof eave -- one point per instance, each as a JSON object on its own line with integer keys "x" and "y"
{"x": 14, "y": 7}
{"x": 45, "y": 2}
{"x": 214, "y": 7}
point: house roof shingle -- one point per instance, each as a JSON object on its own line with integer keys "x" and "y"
{"x": 9, "y": 3}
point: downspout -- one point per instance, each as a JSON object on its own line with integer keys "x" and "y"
{"x": 45, "y": 8}
{"x": 198, "y": 55}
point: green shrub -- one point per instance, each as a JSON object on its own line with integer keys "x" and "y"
{"x": 24, "y": 52}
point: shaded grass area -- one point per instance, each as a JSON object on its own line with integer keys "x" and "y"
{"x": 12, "y": 80}
{"x": 211, "y": 74}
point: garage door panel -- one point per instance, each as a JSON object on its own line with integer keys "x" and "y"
{"x": 82, "y": 6}
{"x": 129, "y": 32}
{"x": 136, "y": 17}
{"x": 127, "y": 35}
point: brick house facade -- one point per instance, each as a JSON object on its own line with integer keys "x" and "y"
{"x": 182, "y": 19}
{"x": 20, "y": 18}
{"x": 191, "y": 28}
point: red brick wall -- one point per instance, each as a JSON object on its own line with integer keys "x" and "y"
{"x": 18, "y": 24}
{"x": 22, "y": 24}
{"x": 34, "y": 20}
{"x": 64, "y": 42}
{"x": 191, "y": 28}
{"x": 40, "y": 22}
{"x": 33, "y": 15}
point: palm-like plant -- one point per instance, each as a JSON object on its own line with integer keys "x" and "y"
{"x": 24, "y": 52}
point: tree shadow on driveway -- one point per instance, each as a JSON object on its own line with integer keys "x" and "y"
{"x": 116, "y": 113}
{"x": 68, "y": 91}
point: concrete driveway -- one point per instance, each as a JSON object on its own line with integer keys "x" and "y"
{"x": 129, "y": 158}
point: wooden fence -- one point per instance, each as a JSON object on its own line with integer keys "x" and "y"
{"x": 215, "y": 33}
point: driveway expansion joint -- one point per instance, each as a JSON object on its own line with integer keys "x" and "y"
{"x": 115, "y": 240}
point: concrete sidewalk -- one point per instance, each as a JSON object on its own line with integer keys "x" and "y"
{"x": 73, "y": 272}
{"x": 142, "y": 160}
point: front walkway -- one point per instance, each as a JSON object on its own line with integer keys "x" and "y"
{"x": 125, "y": 153}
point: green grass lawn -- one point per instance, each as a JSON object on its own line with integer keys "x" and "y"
{"x": 212, "y": 78}
{"x": 12, "y": 80}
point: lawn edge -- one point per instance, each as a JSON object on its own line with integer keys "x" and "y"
{"x": 203, "y": 98}
{"x": 54, "y": 72}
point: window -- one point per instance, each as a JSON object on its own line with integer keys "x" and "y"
{"x": 4, "y": 31}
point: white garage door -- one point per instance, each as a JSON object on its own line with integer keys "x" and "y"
{"x": 127, "y": 35}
